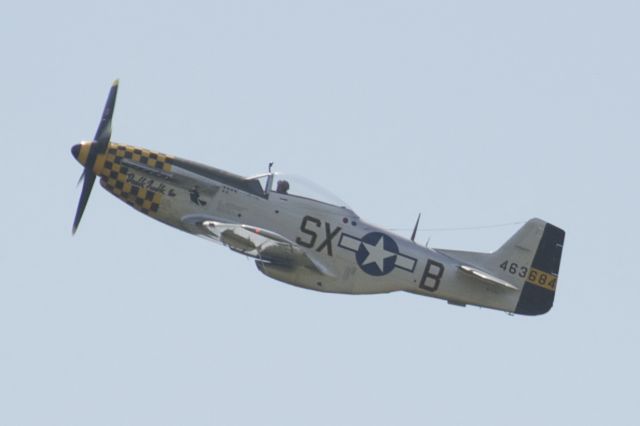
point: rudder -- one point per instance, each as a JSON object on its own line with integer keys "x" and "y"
{"x": 539, "y": 288}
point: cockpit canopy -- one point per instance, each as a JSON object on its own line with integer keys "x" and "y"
{"x": 297, "y": 186}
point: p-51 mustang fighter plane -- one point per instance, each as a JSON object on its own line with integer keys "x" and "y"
{"x": 312, "y": 242}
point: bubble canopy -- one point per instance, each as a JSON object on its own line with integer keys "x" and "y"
{"x": 298, "y": 186}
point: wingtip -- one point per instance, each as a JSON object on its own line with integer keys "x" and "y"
{"x": 116, "y": 82}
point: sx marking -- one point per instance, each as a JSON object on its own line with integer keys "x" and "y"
{"x": 313, "y": 236}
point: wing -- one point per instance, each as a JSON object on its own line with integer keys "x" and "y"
{"x": 262, "y": 244}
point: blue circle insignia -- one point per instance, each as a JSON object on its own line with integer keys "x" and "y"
{"x": 377, "y": 254}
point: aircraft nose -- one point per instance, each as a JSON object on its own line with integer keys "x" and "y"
{"x": 75, "y": 151}
{"x": 81, "y": 151}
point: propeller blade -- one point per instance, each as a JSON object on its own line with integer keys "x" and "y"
{"x": 103, "y": 134}
{"x": 84, "y": 172}
{"x": 87, "y": 185}
{"x": 99, "y": 146}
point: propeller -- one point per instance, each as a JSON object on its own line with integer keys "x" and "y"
{"x": 98, "y": 146}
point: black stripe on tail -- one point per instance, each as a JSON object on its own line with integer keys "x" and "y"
{"x": 540, "y": 287}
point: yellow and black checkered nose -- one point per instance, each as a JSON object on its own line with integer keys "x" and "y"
{"x": 117, "y": 170}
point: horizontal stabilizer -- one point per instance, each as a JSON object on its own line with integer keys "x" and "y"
{"x": 486, "y": 277}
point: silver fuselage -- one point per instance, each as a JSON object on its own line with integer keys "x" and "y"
{"x": 180, "y": 193}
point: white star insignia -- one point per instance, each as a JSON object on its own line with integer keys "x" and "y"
{"x": 377, "y": 254}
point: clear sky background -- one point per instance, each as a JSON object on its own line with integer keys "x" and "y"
{"x": 473, "y": 113}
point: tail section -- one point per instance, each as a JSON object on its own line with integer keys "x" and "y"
{"x": 527, "y": 264}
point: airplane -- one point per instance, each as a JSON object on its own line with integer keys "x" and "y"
{"x": 312, "y": 241}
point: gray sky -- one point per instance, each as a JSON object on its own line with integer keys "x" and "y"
{"x": 473, "y": 113}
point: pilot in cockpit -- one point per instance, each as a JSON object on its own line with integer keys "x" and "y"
{"x": 283, "y": 186}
